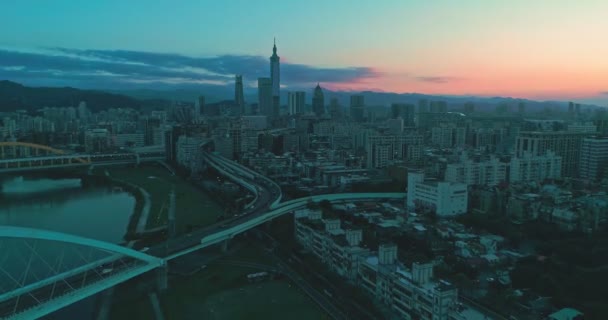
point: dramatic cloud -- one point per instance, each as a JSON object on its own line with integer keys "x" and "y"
{"x": 437, "y": 79}
{"x": 61, "y": 66}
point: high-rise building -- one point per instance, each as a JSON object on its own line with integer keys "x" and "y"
{"x": 239, "y": 98}
{"x": 296, "y": 102}
{"x": 423, "y": 106}
{"x": 565, "y": 144}
{"x": 600, "y": 120}
{"x": 201, "y": 105}
{"x": 357, "y": 106}
{"x": 318, "y": 101}
{"x": 406, "y": 111}
{"x": 275, "y": 75}
{"x": 265, "y": 97}
{"x": 594, "y": 158}
{"x": 335, "y": 110}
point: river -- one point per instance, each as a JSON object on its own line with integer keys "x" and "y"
{"x": 63, "y": 205}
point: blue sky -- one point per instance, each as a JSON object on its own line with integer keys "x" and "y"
{"x": 541, "y": 49}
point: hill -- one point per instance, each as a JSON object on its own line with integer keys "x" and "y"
{"x": 14, "y": 96}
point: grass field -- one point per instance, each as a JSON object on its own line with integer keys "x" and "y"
{"x": 268, "y": 300}
{"x": 193, "y": 206}
{"x": 222, "y": 292}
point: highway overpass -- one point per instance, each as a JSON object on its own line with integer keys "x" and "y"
{"x": 74, "y": 160}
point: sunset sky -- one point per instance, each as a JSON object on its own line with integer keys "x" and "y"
{"x": 551, "y": 49}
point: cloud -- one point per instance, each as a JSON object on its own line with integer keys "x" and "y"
{"x": 52, "y": 66}
{"x": 604, "y": 93}
{"x": 435, "y": 79}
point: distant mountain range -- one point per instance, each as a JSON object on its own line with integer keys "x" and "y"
{"x": 14, "y": 96}
{"x": 218, "y": 93}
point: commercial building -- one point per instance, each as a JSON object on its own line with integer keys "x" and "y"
{"x": 275, "y": 76}
{"x": 318, "y": 101}
{"x": 357, "y": 107}
{"x": 594, "y": 158}
{"x": 296, "y": 102}
{"x": 239, "y": 98}
{"x": 335, "y": 110}
{"x": 265, "y": 106}
{"x": 442, "y": 197}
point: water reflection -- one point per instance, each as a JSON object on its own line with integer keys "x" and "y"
{"x": 64, "y": 206}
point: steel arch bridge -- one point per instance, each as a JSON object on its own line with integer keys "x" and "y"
{"x": 13, "y": 149}
{"x": 43, "y": 271}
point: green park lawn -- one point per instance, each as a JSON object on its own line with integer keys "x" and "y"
{"x": 221, "y": 291}
{"x": 193, "y": 206}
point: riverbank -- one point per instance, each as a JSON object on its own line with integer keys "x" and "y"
{"x": 194, "y": 208}
{"x": 142, "y": 200}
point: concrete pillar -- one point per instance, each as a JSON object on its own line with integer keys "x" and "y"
{"x": 225, "y": 245}
{"x": 171, "y": 214}
{"x": 158, "y": 314}
{"x": 162, "y": 277}
{"x": 103, "y": 313}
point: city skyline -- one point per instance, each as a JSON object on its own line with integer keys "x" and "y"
{"x": 521, "y": 50}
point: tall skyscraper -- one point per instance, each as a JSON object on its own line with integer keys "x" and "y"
{"x": 296, "y": 102}
{"x": 318, "y": 101}
{"x": 265, "y": 97}
{"x": 201, "y": 105}
{"x": 238, "y": 93}
{"x": 357, "y": 105}
{"x": 335, "y": 110}
{"x": 275, "y": 73}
